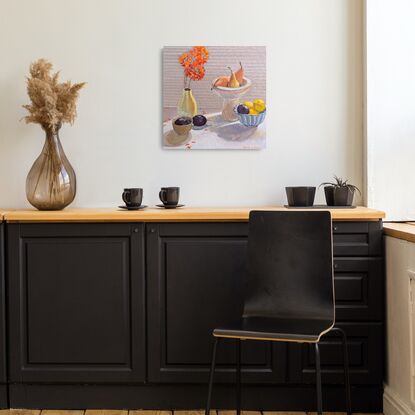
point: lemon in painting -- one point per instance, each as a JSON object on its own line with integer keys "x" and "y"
{"x": 252, "y": 111}
{"x": 249, "y": 104}
{"x": 259, "y": 105}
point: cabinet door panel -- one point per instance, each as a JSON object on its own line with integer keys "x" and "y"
{"x": 359, "y": 285}
{"x": 195, "y": 284}
{"x": 77, "y": 309}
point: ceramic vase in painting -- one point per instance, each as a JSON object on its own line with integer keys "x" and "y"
{"x": 187, "y": 106}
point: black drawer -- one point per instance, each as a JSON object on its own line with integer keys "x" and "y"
{"x": 357, "y": 238}
{"x": 350, "y": 227}
{"x": 349, "y": 238}
{"x": 359, "y": 289}
{"x": 351, "y": 244}
{"x": 365, "y": 346}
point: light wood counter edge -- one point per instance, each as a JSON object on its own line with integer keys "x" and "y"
{"x": 171, "y": 215}
{"x": 404, "y": 231}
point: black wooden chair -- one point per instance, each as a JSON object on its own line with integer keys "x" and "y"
{"x": 289, "y": 290}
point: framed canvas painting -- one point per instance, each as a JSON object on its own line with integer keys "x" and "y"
{"x": 214, "y": 97}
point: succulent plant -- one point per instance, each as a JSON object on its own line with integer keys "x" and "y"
{"x": 341, "y": 183}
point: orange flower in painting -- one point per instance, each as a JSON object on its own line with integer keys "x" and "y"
{"x": 193, "y": 63}
{"x": 201, "y": 54}
{"x": 184, "y": 59}
{"x": 195, "y": 73}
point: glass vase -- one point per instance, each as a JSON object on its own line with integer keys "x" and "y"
{"x": 187, "y": 106}
{"x": 51, "y": 182}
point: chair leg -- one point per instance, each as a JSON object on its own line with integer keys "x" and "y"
{"x": 212, "y": 372}
{"x": 346, "y": 370}
{"x": 238, "y": 376}
{"x": 318, "y": 381}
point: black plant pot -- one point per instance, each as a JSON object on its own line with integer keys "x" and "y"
{"x": 300, "y": 195}
{"x": 338, "y": 196}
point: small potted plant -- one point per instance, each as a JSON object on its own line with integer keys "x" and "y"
{"x": 339, "y": 193}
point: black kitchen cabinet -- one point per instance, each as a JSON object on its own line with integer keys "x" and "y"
{"x": 76, "y": 303}
{"x": 195, "y": 282}
{"x": 121, "y": 314}
{"x": 3, "y": 356}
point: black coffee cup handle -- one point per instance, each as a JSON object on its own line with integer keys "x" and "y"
{"x": 126, "y": 196}
{"x": 161, "y": 195}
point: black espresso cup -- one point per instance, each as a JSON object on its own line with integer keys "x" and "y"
{"x": 132, "y": 196}
{"x": 169, "y": 195}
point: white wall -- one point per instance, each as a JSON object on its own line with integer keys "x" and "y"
{"x": 314, "y": 56}
{"x": 390, "y": 44}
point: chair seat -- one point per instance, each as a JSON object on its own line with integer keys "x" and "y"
{"x": 276, "y": 329}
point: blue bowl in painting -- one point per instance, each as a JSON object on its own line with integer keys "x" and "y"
{"x": 249, "y": 120}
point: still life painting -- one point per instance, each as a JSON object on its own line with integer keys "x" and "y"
{"x": 214, "y": 97}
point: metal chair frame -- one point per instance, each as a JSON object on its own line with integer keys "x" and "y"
{"x": 318, "y": 374}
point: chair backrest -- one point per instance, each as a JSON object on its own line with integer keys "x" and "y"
{"x": 290, "y": 265}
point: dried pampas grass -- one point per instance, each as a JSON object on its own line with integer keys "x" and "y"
{"x": 52, "y": 103}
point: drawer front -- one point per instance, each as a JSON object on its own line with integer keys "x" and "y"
{"x": 366, "y": 356}
{"x": 359, "y": 289}
{"x": 351, "y": 244}
{"x": 357, "y": 238}
{"x": 350, "y": 227}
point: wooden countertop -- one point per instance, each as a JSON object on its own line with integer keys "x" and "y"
{"x": 185, "y": 214}
{"x": 405, "y": 231}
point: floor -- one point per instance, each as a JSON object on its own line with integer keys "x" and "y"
{"x": 140, "y": 412}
